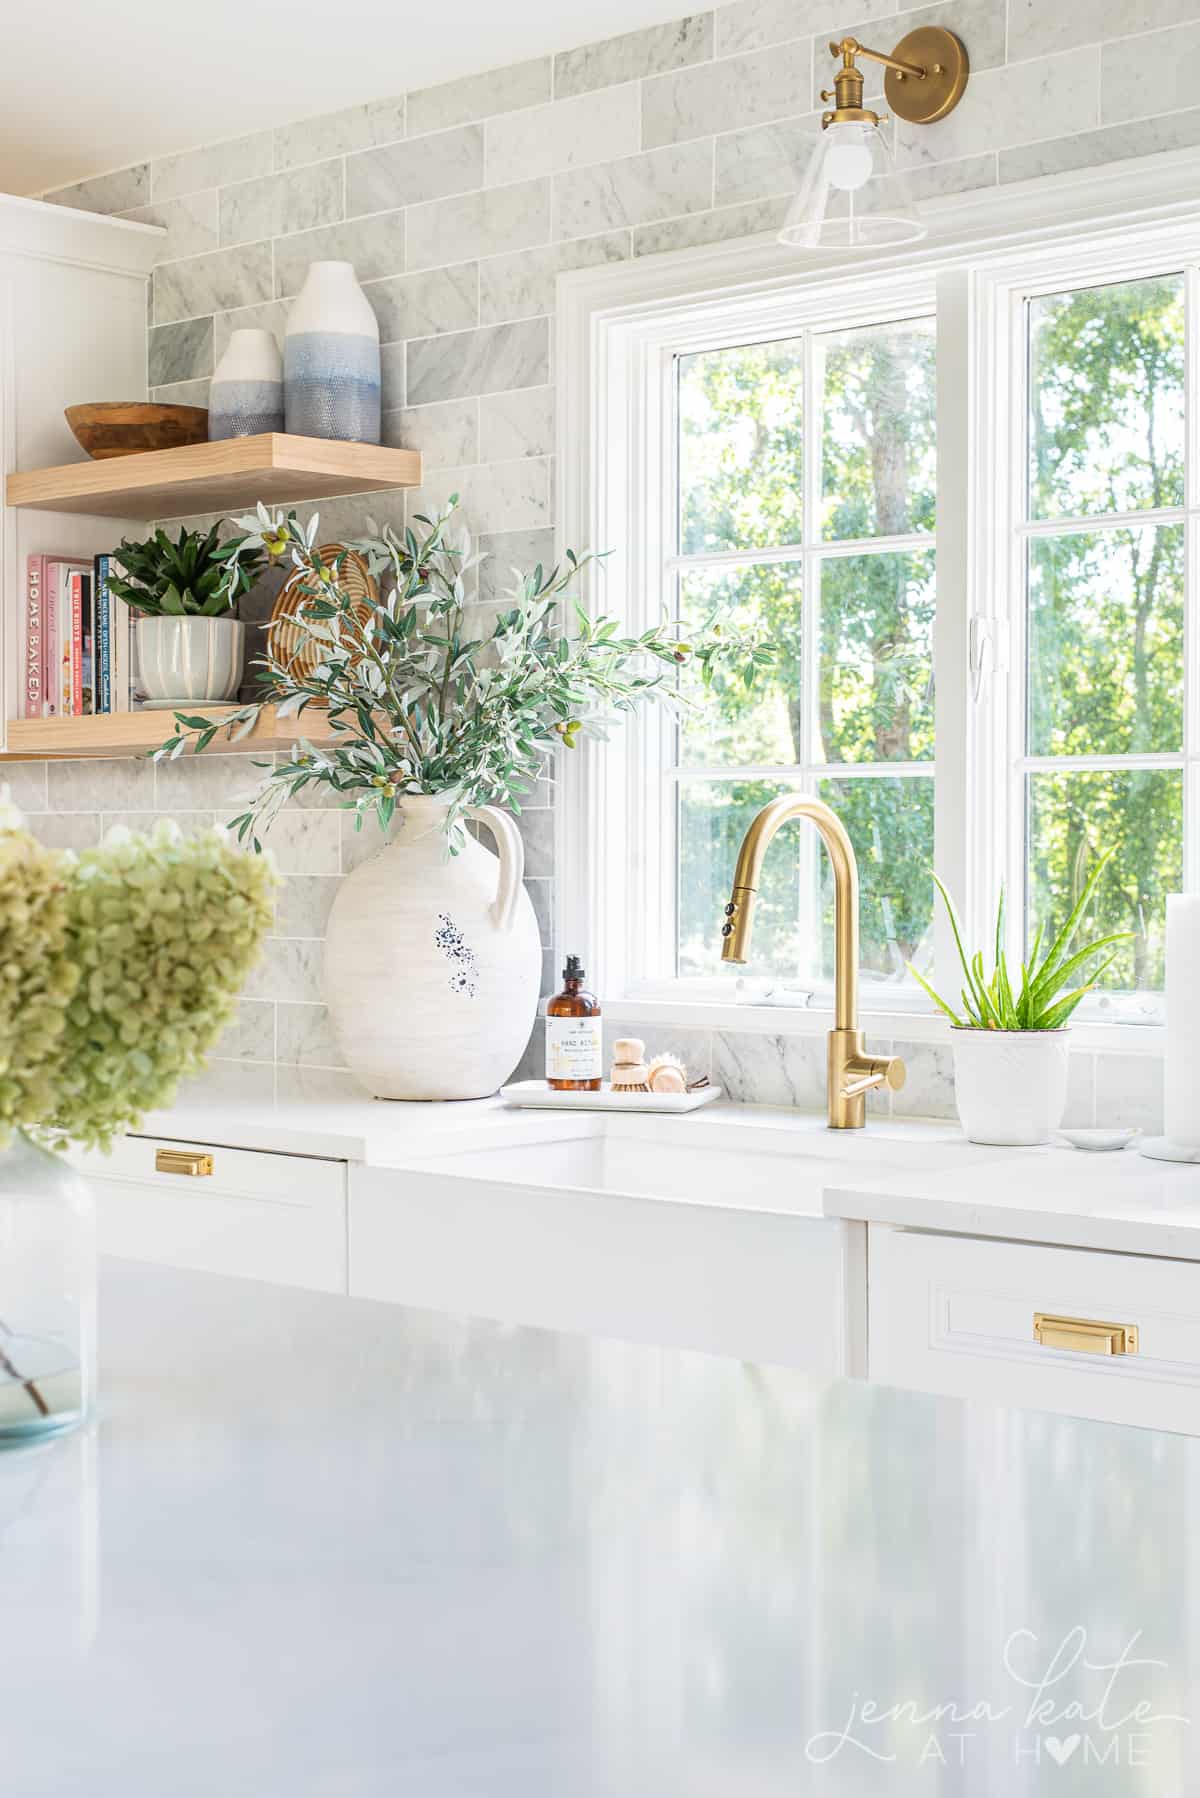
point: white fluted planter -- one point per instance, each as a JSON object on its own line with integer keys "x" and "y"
{"x": 1010, "y": 1086}
{"x": 433, "y": 962}
{"x": 186, "y": 660}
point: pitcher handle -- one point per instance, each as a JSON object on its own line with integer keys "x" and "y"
{"x": 510, "y": 846}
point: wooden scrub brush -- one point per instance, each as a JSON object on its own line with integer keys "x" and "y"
{"x": 667, "y": 1074}
{"x": 629, "y": 1071}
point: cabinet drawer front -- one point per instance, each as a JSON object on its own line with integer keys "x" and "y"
{"x": 755, "y": 1285}
{"x": 265, "y": 1217}
{"x": 1115, "y": 1337}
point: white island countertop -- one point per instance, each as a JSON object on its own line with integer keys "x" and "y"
{"x": 319, "y": 1548}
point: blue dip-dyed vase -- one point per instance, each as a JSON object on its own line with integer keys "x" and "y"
{"x": 246, "y": 394}
{"x": 331, "y": 377}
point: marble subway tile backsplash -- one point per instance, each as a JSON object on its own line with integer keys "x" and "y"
{"x": 486, "y": 360}
{"x": 459, "y": 206}
{"x": 635, "y": 55}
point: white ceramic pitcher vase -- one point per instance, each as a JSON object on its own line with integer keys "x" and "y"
{"x": 433, "y": 962}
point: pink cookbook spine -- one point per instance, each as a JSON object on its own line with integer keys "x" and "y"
{"x": 50, "y": 669}
{"x": 76, "y": 645}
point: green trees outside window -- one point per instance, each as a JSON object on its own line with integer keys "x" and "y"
{"x": 818, "y": 531}
{"x": 1105, "y": 557}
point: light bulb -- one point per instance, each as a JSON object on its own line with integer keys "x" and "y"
{"x": 848, "y": 158}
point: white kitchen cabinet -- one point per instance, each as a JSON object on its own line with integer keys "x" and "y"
{"x": 753, "y": 1282}
{"x": 72, "y": 329}
{"x": 956, "y": 1314}
{"x": 265, "y": 1217}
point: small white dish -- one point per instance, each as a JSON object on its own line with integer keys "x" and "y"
{"x": 1099, "y": 1142}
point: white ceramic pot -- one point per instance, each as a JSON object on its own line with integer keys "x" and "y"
{"x": 433, "y": 962}
{"x": 186, "y": 659}
{"x": 331, "y": 370}
{"x": 246, "y": 393}
{"x": 1010, "y": 1085}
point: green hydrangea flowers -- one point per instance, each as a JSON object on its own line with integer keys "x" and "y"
{"x": 38, "y": 977}
{"x": 119, "y": 969}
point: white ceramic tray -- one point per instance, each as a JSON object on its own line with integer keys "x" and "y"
{"x": 536, "y": 1095}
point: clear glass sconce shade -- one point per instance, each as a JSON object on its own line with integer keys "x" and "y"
{"x": 852, "y": 195}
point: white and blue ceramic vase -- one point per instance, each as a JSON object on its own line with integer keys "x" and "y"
{"x": 246, "y": 396}
{"x": 331, "y": 358}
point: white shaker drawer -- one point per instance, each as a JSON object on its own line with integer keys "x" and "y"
{"x": 957, "y": 1315}
{"x": 266, "y": 1217}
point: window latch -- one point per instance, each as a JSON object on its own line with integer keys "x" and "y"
{"x": 988, "y": 649}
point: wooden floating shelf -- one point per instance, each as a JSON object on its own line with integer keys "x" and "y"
{"x": 114, "y": 734}
{"x": 231, "y": 476}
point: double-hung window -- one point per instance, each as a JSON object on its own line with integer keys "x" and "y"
{"x": 787, "y": 459}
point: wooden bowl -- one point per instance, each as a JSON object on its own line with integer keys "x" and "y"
{"x": 127, "y": 427}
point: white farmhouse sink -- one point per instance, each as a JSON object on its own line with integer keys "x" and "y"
{"x": 703, "y": 1159}
{"x": 702, "y": 1232}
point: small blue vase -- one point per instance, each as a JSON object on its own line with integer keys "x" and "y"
{"x": 331, "y": 370}
{"x": 246, "y": 394}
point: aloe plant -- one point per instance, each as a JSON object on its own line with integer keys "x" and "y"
{"x": 1037, "y": 1000}
{"x": 197, "y": 576}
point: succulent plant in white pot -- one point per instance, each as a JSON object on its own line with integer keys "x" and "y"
{"x": 1010, "y": 1033}
{"x": 191, "y": 647}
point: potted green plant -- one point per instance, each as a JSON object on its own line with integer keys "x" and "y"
{"x": 1010, "y": 1033}
{"x": 119, "y": 969}
{"x": 433, "y": 959}
{"x": 190, "y": 646}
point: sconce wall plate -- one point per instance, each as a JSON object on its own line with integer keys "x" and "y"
{"x": 943, "y": 57}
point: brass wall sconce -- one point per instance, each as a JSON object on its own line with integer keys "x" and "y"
{"x": 926, "y": 75}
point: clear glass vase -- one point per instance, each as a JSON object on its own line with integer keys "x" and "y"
{"x": 47, "y": 1294}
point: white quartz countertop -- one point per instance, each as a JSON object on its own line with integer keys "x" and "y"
{"x": 318, "y": 1547}
{"x": 336, "y": 1128}
{"x": 904, "y": 1172}
{"x": 1121, "y": 1201}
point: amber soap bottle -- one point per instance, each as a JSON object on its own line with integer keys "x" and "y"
{"x": 574, "y": 1050}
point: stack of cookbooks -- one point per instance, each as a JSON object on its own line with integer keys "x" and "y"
{"x": 76, "y": 640}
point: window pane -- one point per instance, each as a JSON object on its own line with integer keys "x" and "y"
{"x": 890, "y": 822}
{"x": 730, "y": 722}
{"x": 713, "y": 816}
{"x": 879, "y": 453}
{"x": 1106, "y": 642}
{"x": 1076, "y": 817}
{"x": 740, "y": 421}
{"x": 876, "y": 698}
{"x": 1106, "y": 399}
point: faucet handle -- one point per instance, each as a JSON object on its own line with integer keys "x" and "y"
{"x": 865, "y": 1072}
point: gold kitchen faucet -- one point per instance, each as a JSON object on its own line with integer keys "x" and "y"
{"x": 852, "y": 1072}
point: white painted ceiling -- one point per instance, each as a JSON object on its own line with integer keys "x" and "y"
{"x": 86, "y": 87}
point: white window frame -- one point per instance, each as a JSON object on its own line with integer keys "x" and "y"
{"x": 999, "y": 763}
{"x": 614, "y": 327}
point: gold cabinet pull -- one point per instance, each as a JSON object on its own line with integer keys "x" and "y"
{"x": 1084, "y": 1335}
{"x": 182, "y": 1161}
